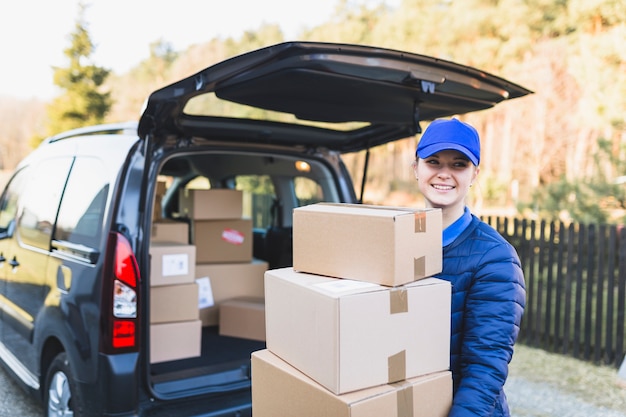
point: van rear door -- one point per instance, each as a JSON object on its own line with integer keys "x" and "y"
{"x": 342, "y": 97}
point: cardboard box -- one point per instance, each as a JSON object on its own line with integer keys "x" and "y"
{"x": 243, "y": 317}
{"x": 223, "y": 240}
{"x": 211, "y": 204}
{"x": 171, "y": 341}
{"x": 166, "y": 230}
{"x": 171, "y": 263}
{"x": 170, "y": 303}
{"x": 161, "y": 188}
{"x": 348, "y": 335}
{"x": 279, "y": 390}
{"x": 158, "y": 200}
{"x": 384, "y": 245}
{"x": 226, "y": 281}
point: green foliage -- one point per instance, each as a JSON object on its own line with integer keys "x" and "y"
{"x": 492, "y": 190}
{"x": 82, "y": 103}
{"x": 568, "y": 201}
{"x": 352, "y": 24}
{"x": 266, "y": 34}
{"x": 600, "y": 198}
{"x": 255, "y": 184}
{"x": 569, "y": 52}
{"x": 596, "y": 15}
{"x": 157, "y": 65}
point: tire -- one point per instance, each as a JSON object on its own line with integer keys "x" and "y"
{"x": 60, "y": 399}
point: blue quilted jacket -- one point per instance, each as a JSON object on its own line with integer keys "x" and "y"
{"x": 488, "y": 299}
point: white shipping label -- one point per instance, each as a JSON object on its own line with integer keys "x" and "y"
{"x": 205, "y": 293}
{"x": 175, "y": 264}
{"x": 233, "y": 236}
{"x": 341, "y": 285}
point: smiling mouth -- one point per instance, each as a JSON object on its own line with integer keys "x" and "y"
{"x": 443, "y": 187}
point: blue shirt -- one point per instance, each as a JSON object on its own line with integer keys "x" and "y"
{"x": 453, "y": 231}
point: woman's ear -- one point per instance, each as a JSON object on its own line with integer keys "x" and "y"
{"x": 476, "y": 171}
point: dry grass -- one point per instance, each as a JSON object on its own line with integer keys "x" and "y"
{"x": 598, "y": 385}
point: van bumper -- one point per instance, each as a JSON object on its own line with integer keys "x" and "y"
{"x": 116, "y": 392}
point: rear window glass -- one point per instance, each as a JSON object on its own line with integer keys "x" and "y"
{"x": 259, "y": 195}
{"x": 272, "y": 185}
{"x": 82, "y": 209}
{"x": 39, "y": 201}
{"x": 209, "y": 104}
{"x": 8, "y": 206}
{"x": 308, "y": 191}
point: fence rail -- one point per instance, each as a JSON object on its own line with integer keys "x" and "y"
{"x": 576, "y": 287}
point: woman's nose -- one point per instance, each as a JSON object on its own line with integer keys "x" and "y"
{"x": 444, "y": 172}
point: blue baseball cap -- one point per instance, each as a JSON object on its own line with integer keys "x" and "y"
{"x": 453, "y": 134}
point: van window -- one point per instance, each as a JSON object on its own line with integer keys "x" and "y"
{"x": 84, "y": 201}
{"x": 307, "y": 191}
{"x": 8, "y": 205}
{"x": 258, "y": 197}
{"x": 39, "y": 201}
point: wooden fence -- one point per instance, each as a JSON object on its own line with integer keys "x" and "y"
{"x": 576, "y": 287}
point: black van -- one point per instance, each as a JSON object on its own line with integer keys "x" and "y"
{"x": 77, "y": 217}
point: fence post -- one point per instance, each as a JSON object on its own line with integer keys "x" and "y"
{"x": 621, "y": 374}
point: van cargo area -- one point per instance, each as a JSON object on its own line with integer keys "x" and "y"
{"x": 223, "y": 361}
{"x": 216, "y": 227}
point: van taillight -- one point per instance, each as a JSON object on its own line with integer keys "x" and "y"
{"x": 122, "y": 298}
{"x": 123, "y": 334}
{"x": 125, "y": 262}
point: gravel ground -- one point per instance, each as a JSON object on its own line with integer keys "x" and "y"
{"x": 536, "y": 399}
{"x": 14, "y": 401}
{"x": 542, "y": 384}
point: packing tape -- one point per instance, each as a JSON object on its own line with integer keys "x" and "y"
{"x": 420, "y": 222}
{"x": 396, "y": 367}
{"x": 398, "y": 300}
{"x": 419, "y": 267}
{"x": 404, "y": 399}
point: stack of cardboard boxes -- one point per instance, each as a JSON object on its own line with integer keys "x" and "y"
{"x": 230, "y": 280}
{"x": 203, "y": 274}
{"x": 173, "y": 296}
{"x": 358, "y": 327}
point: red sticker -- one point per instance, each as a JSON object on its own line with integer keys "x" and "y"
{"x": 232, "y": 236}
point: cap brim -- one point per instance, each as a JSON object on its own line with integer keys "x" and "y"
{"x": 446, "y": 146}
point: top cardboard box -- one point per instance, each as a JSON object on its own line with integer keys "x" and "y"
{"x": 213, "y": 204}
{"x": 383, "y": 245}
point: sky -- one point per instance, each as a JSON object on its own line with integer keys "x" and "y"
{"x": 34, "y": 33}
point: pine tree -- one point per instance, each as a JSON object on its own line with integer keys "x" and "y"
{"x": 83, "y": 102}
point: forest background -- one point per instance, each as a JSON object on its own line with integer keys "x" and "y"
{"x": 559, "y": 153}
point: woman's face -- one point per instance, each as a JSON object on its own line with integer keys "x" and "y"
{"x": 445, "y": 179}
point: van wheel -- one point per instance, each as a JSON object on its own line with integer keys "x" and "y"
{"x": 59, "y": 398}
